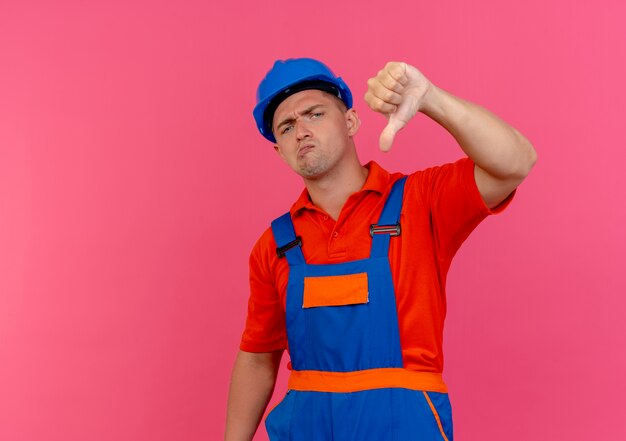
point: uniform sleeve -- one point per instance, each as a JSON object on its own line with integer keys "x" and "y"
{"x": 265, "y": 324}
{"x": 456, "y": 205}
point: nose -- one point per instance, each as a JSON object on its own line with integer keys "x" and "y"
{"x": 302, "y": 129}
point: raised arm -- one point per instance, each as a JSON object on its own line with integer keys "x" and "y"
{"x": 502, "y": 155}
{"x": 251, "y": 387}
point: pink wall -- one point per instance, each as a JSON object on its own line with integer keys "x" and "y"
{"x": 133, "y": 184}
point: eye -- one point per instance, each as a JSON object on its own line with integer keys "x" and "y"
{"x": 286, "y": 129}
{"x": 316, "y": 115}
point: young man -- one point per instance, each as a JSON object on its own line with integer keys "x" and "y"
{"x": 351, "y": 280}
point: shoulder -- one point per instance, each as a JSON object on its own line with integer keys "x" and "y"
{"x": 264, "y": 257}
{"x": 461, "y": 167}
{"x": 453, "y": 176}
{"x": 263, "y": 251}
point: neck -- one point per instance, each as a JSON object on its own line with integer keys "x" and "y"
{"x": 331, "y": 191}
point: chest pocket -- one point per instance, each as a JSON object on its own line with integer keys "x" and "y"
{"x": 340, "y": 290}
{"x": 336, "y": 312}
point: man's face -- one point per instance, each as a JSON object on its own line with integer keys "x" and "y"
{"x": 314, "y": 132}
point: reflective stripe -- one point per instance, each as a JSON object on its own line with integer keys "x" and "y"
{"x": 436, "y": 415}
{"x": 321, "y": 381}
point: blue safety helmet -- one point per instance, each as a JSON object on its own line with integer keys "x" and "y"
{"x": 291, "y": 76}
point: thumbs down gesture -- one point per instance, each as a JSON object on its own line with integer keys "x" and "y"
{"x": 398, "y": 91}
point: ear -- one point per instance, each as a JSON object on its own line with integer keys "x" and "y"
{"x": 280, "y": 153}
{"x": 352, "y": 122}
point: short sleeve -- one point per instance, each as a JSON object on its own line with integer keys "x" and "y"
{"x": 455, "y": 203}
{"x": 265, "y": 323}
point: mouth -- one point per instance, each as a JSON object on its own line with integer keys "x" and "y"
{"x": 304, "y": 149}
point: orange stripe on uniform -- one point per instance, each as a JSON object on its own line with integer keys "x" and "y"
{"x": 436, "y": 415}
{"x": 321, "y": 381}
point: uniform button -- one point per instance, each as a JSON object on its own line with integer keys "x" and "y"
{"x": 325, "y": 217}
{"x": 335, "y": 234}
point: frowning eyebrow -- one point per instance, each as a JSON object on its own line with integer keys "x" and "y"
{"x": 306, "y": 111}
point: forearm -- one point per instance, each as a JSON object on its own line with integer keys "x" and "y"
{"x": 251, "y": 387}
{"x": 496, "y": 147}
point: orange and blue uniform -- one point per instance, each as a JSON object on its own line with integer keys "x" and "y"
{"x": 361, "y": 311}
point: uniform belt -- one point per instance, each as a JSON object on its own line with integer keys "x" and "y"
{"x": 324, "y": 381}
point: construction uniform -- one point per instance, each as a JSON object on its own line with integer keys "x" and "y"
{"x": 358, "y": 370}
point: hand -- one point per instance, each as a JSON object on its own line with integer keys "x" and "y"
{"x": 398, "y": 91}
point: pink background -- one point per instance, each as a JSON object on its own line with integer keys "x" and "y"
{"x": 133, "y": 185}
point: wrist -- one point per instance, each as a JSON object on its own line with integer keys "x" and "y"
{"x": 431, "y": 103}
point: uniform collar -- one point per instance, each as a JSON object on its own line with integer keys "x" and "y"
{"x": 377, "y": 180}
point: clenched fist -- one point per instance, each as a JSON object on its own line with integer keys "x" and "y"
{"x": 398, "y": 91}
